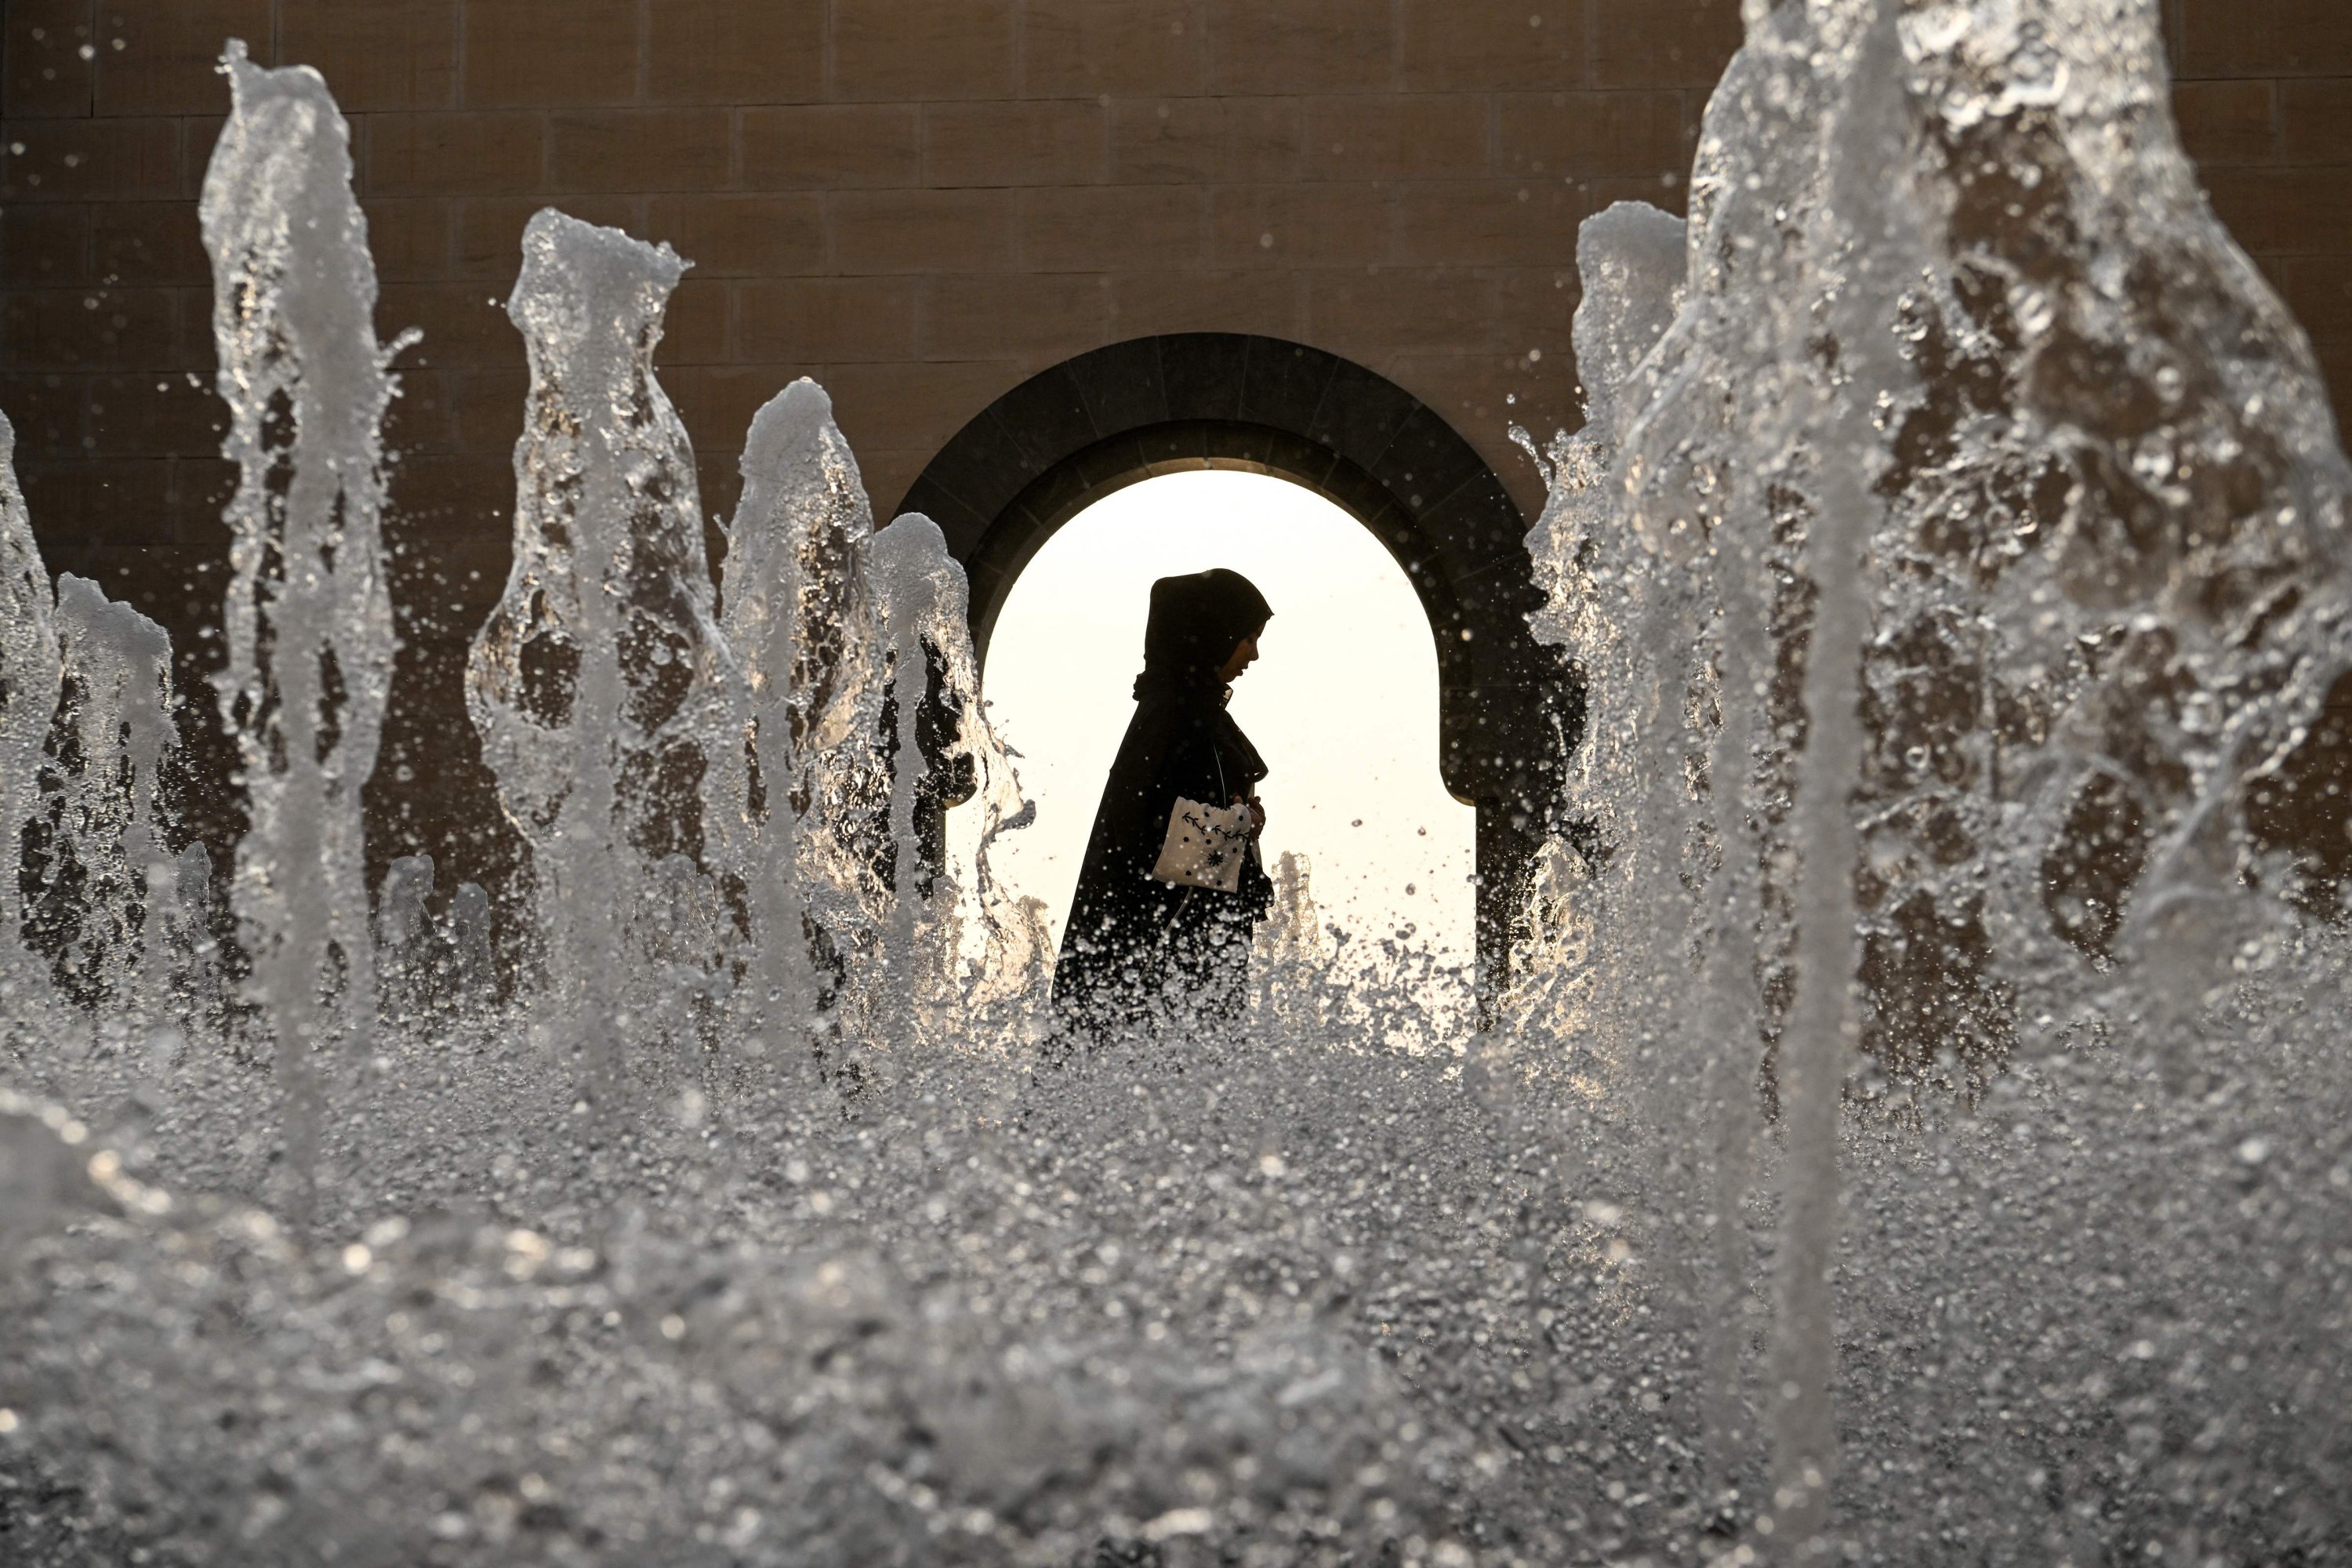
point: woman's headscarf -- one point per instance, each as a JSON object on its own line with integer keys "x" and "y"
{"x": 1196, "y": 623}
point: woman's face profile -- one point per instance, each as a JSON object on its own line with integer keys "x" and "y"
{"x": 1244, "y": 654}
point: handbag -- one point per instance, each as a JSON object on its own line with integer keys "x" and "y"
{"x": 1206, "y": 844}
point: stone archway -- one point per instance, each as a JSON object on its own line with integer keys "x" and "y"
{"x": 1509, "y": 708}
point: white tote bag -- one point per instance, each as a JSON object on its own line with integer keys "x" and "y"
{"x": 1205, "y": 846}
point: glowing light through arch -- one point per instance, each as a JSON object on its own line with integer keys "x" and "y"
{"x": 1343, "y": 703}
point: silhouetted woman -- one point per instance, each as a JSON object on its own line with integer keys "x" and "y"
{"x": 1137, "y": 950}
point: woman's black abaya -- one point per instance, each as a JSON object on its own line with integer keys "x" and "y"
{"x": 1138, "y": 951}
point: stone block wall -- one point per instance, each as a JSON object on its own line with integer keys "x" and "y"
{"x": 918, "y": 202}
{"x": 2264, "y": 92}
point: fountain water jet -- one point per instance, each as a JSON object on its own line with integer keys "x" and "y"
{"x": 953, "y": 939}
{"x": 601, "y": 684}
{"x": 1953, "y": 424}
{"x": 308, "y": 613}
{"x": 117, "y": 699}
{"x": 29, "y": 679}
{"x": 798, "y": 618}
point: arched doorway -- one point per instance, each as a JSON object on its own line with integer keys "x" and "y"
{"x": 1509, "y": 708}
{"x": 1342, "y": 704}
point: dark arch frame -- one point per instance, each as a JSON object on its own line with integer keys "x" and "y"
{"x": 1509, "y": 709}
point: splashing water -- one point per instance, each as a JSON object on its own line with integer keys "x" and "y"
{"x": 923, "y": 604}
{"x": 2004, "y": 502}
{"x": 110, "y": 828}
{"x": 600, "y": 683}
{"x": 30, "y": 678}
{"x": 1916, "y": 1133}
{"x": 799, "y": 621}
{"x": 308, "y": 613}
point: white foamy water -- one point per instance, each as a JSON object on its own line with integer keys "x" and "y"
{"x": 1918, "y": 1133}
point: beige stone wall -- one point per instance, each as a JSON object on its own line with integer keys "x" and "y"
{"x": 919, "y": 202}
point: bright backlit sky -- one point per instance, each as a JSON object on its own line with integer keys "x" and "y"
{"x": 1342, "y": 702}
